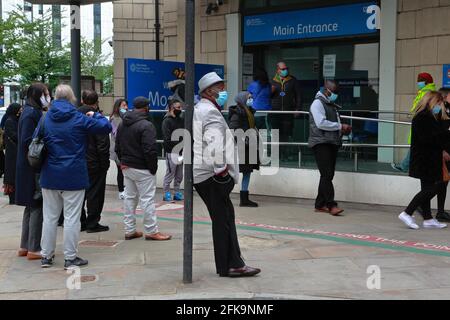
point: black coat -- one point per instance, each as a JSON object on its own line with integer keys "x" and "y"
{"x": 287, "y": 97}
{"x": 428, "y": 140}
{"x": 25, "y": 175}
{"x": 238, "y": 119}
{"x": 169, "y": 125}
{"x": 136, "y": 142}
{"x": 97, "y": 153}
{"x": 10, "y": 138}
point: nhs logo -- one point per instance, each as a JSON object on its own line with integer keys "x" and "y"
{"x": 374, "y": 20}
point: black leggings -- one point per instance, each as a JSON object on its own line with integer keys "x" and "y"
{"x": 441, "y": 196}
{"x": 429, "y": 189}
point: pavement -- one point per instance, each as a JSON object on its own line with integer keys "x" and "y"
{"x": 365, "y": 254}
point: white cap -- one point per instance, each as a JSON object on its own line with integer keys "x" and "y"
{"x": 208, "y": 80}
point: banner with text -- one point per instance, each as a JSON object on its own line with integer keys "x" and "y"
{"x": 152, "y": 79}
{"x": 344, "y": 20}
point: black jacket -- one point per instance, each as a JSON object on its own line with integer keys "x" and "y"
{"x": 238, "y": 119}
{"x": 169, "y": 125}
{"x": 287, "y": 96}
{"x": 10, "y": 140}
{"x": 136, "y": 142}
{"x": 428, "y": 140}
{"x": 97, "y": 153}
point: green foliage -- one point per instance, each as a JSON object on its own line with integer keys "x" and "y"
{"x": 30, "y": 53}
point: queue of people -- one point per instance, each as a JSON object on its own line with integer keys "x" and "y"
{"x": 82, "y": 140}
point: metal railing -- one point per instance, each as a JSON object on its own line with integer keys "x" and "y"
{"x": 353, "y": 147}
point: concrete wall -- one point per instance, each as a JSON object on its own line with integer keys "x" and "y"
{"x": 423, "y": 45}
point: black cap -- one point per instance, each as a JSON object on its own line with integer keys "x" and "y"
{"x": 141, "y": 102}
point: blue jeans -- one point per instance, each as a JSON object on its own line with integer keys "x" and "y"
{"x": 404, "y": 165}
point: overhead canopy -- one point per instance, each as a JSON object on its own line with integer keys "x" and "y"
{"x": 62, "y": 2}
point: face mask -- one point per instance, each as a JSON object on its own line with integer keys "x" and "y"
{"x": 421, "y": 85}
{"x": 44, "y": 101}
{"x": 437, "y": 109}
{"x": 333, "y": 97}
{"x": 177, "y": 112}
{"x": 222, "y": 99}
{"x": 122, "y": 111}
{"x": 284, "y": 73}
{"x": 250, "y": 102}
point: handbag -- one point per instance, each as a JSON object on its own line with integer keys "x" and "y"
{"x": 37, "y": 151}
{"x": 445, "y": 173}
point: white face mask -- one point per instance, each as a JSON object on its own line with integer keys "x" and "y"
{"x": 44, "y": 101}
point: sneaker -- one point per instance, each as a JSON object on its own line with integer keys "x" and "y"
{"x": 122, "y": 195}
{"x": 77, "y": 262}
{"x": 408, "y": 220}
{"x": 178, "y": 196}
{"x": 433, "y": 224}
{"x": 47, "y": 262}
{"x": 396, "y": 167}
{"x": 167, "y": 197}
{"x": 443, "y": 217}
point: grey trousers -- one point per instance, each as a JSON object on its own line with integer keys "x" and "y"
{"x": 173, "y": 171}
{"x": 31, "y": 229}
{"x": 54, "y": 202}
{"x": 139, "y": 185}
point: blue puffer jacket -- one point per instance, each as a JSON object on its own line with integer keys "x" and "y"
{"x": 65, "y": 136}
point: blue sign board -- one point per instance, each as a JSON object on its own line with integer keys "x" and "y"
{"x": 446, "y": 77}
{"x": 344, "y": 20}
{"x": 151, "y": 78}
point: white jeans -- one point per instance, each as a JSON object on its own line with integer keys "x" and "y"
{"x": 54, "y": 201}
{"x": 139, "y": 185}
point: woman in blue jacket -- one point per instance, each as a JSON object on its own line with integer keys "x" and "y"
{"x": 64, "y": 175}
{"x": 261, "y": 91}
{"x": 27, "y": 185}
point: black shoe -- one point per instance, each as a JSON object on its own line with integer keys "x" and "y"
{"x": 77, "y": 262}
{"x": 97, "y": 228}
{"x": 47, "y": 262}
{"x": 443, "y": 217}
{"x": 245, "y": 202}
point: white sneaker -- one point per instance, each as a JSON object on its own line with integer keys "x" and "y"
{"x": 408, "y": 220}
{"x": 122, "y": 195}
{"x": 433, "y": 224}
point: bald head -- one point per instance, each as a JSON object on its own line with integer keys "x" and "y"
{"x": 331, "y": 85}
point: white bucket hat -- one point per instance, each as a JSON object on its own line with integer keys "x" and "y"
{"x": 208, "y": 80}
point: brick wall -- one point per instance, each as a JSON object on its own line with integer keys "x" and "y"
{"x": 423, "y": 45}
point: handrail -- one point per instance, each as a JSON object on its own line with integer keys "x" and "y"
{"x": 350, "y": 145}
{"x": 307, "y": 113}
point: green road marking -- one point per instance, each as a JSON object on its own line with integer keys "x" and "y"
{"x": 318, "y": 236}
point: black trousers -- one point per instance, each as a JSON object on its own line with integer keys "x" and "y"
{"x": 95, "y": 198}
{"x": 441, "y": 196}
{"x": 326, "y": 155}
{"x": 429, "y": 189}
{"x": 215, "y": 193}
{"x": 120, "y": 184}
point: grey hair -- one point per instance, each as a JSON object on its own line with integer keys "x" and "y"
{"x": 65, "y": 92}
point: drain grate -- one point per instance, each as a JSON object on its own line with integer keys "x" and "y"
{"x": 98, "y": 243}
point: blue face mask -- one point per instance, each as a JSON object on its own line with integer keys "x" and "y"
{"x": 284, "y": 73}
{"x": 250, "y": 102}
{"x": 333, "y": 97}
{"x": 421, "y": 85}
{"x": 222, "y": 99}
{"x": 437, "y": 109}
{"x": 122, "y": 111}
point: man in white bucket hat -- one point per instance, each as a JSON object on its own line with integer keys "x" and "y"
{"x": 215, "y": 174}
